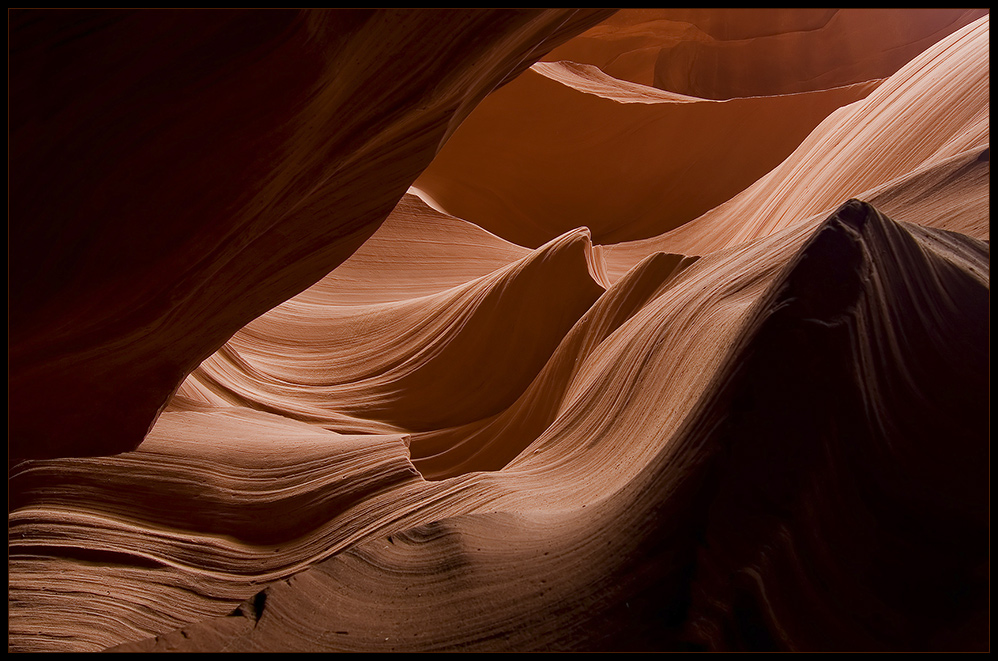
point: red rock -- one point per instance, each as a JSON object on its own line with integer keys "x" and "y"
{"x": 767, "y": 429}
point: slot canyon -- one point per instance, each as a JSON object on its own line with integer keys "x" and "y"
{"x": 498, "y": 330}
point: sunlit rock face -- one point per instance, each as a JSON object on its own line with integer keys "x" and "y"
{"x": 657, "y": 116}
{"x": 499, "y": 330}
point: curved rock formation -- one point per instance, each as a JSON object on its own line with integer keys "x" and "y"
{"x": 421, "y": 364}
{"x": 566, "y": 145}
{"x": 766, "y": 430}
{"x": 906, "y": 128}
{"x": 737, "y": 52}
{"x": 658, "y": 157}
{"x": 189, "y": 169}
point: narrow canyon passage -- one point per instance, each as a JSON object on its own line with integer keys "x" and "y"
{"x": 484, "y": 330}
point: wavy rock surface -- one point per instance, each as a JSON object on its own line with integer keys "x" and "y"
{"x": 737, "y": 52}
{"x": 714, "y": 524}
{"x": 906, "y": 128}
{"x": 767, "y": 430}
{"x": 424, "y": 363}
{"x": 188, "y": 169}
{"x": 566, "y": 145}
{"x": 658, "y": 157}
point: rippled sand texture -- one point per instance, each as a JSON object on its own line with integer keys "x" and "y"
{"x": 681, "y": 343}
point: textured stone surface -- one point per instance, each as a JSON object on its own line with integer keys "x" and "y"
{"x": 766, "y": 429}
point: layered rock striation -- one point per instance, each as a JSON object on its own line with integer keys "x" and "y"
{"x": 716, "y": 378}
